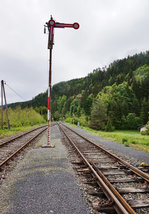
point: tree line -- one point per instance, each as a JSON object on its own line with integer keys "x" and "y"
{"x": 113, "y": 97}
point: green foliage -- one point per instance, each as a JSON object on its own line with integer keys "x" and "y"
{"x": 133, "y": 142}
{"x": 132, "y": 121}
{"x": 69, "y": 120}
{"x": 141, "y": 141}
{"x": 141, "y": 73}
{"x": 118, "y": 100}
{"x": 61, "y": 104}
{"x": 42, "y": 110}
{"x": 124, "y": 140}
{"x": 14, "y": 130}
{"x": 57, "y": 116}
{"x": 122, "y": 87}
{"x": 144, "y": 112}
{"x": 147, "y": 128}
{"x": 98, "y": 114}
{"x": 126, "y": 144}
{"x": 22, "y": 117}
{"x": 82, "y": 120}
{"x": 109, "y": 127}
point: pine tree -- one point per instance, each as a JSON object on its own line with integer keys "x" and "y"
{"x": 98, "y": 115}
{"x": 144, "y": 111}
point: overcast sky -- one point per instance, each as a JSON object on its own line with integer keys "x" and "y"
{"x": 109, "y": 30}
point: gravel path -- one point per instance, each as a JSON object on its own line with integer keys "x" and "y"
{"x": 43, "y": 183}
{"x": 117, "y": 148}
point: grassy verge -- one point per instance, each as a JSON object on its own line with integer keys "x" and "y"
{"x": 127, "y": 137}
{"x": 15, "y": 130}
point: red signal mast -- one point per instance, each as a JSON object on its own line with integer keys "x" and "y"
{"x": 51, "y": 24}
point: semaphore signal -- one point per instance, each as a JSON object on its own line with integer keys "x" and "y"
{"x": 50, "y": 25}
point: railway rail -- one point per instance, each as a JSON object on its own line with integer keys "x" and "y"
{"x": 12, "y": 146}
{"x": 10, "y": 139}
{"x": 116, "y": 185}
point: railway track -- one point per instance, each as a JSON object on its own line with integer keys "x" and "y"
{"x": 11, "y": 147}
{"x": 114, "y": 185}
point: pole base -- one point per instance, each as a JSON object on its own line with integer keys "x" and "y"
{"x": 47, "y": 146}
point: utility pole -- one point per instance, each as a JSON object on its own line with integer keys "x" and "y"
{"x": 1, "y": 104}
{"x": 50, "y": 25}
{"x": 3, "y": 94}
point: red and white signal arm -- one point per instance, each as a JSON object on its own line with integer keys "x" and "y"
{"x": 52, "y": 24}
{"x": 63, "y": 25}
{"x": 76, "y": 25}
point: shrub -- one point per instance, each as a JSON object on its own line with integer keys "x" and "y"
{"x": 109, "y": 127}
{"x": 23, "y": 117}
{"x": 82, "y": 120}
{"x": 147, "y": 128}
{"x": 69, "y": 120}
{"x": 126, "y": 144}
{"x": 132, "y": 121}
{"x": 133, "y": 142}
{"x": 98, "y": 114}
{"x": 57, "y": 116}
{"x": 124, "y": 140}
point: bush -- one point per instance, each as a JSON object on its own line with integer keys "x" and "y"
{"x": 133, "y": 142}
{"x": 126, "y": 144}
{"x": 98, "y": 115}
{"x": 23, "y": 117}
{"x": 109, "y": 127}
{"x": 132, "y": 121}
{"x": 57, "y": 116}
{"x": 147, "y": 128}
{"x": 82, "y": 120}
{"x": 124, "y": 140}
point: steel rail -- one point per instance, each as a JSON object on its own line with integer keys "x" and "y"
{"x": 120, "y": 205}
{"x": 22, "y": 147}
{"x": 144, "y": 175}
{"x": 21, "y": 135}
{"x": 116, "y": 193}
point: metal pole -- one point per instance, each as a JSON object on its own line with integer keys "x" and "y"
{"x": 74, "y": 110}
{"x": 6, "y": 106}
{"x": 51, "y": 24}
{"x": 49, "y": 95}
{"x": 1, "y": 104}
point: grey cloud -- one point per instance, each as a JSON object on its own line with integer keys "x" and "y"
{"x": 108, "y": 30}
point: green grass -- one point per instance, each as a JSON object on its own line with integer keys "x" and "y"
{"x": 132, "y": 138}
{"x": 15, "y": 130}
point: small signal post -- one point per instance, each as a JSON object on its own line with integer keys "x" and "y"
{"x": 51, "y": 25}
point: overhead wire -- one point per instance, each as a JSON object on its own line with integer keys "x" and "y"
{"x": 14, "y": 91}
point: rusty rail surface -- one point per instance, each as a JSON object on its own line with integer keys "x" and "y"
{"x": 119, "y": 203}
{"x": 20, "y": 135}
{"x": 138, "y": 172}
{"x": 23, "y": 146}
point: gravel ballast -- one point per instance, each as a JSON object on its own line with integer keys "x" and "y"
{"x": 43, "y": 182}
{"x": 117, "y": 148}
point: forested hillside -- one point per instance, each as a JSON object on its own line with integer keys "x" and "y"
{"x": 116, "y": 96}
